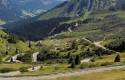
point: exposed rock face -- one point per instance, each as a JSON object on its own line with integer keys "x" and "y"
{"x": 74, "y": 8}
{"x": 14, "y": 58}
{"x": 35, "y": 56}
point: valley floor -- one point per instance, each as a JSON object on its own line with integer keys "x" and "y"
{"x": 115, "y": 72}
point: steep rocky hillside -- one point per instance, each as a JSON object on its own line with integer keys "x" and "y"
{"x": 75, "y": 8}
{"x": 63, "y": 18}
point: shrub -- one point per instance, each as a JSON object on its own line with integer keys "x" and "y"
{"x": 23, "y": 69}
{"x": 27, "y": 58}
{"x": 48, "y": 55}
{"x": 106, "y": 63}
{"x": 93, "y": 60}
{"x": 56, "y": 68}
{"x": 100, "y": 57}
{"x": 116, "y": 43}
{"x": 5, "y": 70}
{"x": 117, "y": 58}
{"x": 88, "y": 65}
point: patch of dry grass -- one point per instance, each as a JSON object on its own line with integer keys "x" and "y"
{"x": 106, "y": 75}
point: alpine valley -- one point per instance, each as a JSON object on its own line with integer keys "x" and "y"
{"x": 62, "y": 38}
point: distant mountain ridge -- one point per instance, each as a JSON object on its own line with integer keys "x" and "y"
{"x": 75, "y": 8}
{"x": 13, "y": 10}
{"x": 50, "y": 22}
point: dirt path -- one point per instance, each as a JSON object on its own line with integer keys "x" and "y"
{"x": 11, "y": 74}
{"x": 86, "y": 60}
{"x": 67, "y": 74}
{"x": 99, "y": 45}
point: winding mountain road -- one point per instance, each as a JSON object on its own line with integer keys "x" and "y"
{"x": 66, "y": 74}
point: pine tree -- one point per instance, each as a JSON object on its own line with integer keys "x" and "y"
{"x": 6, "y": 52}
{"x": 70, "y": 59}
{"x": 68, "y": 55}
{"x": 29, "y": 44}
{"x": 17, "y": 51}
{"x": 11, "y": 60}
{"x": 77, "y": 60}
{"x": 117, "y": 58}
{"x": 72, "y": 63}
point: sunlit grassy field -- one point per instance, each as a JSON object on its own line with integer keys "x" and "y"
{"x": 57, "y": 68}
{"x": 110, "y": 58}
{"x": 106, "y": 75}
{"x": 48, "y": 69}
{"x": 14, "y": 65}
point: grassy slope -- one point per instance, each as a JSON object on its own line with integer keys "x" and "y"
{"x": 9, "y": 48}
{"x": 14, "y": 66}
{"x": 96, "y": 27}
{"x": 106, "y": 75}
{"x": 57, "y": 68}
{"x": 99, "y": 25}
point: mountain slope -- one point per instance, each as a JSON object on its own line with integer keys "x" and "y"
{"x": 11, "y": 45}
{"x": 13, "y": 10}
{"x": 75, "y": 8}
{"x": 63, "y": 17}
